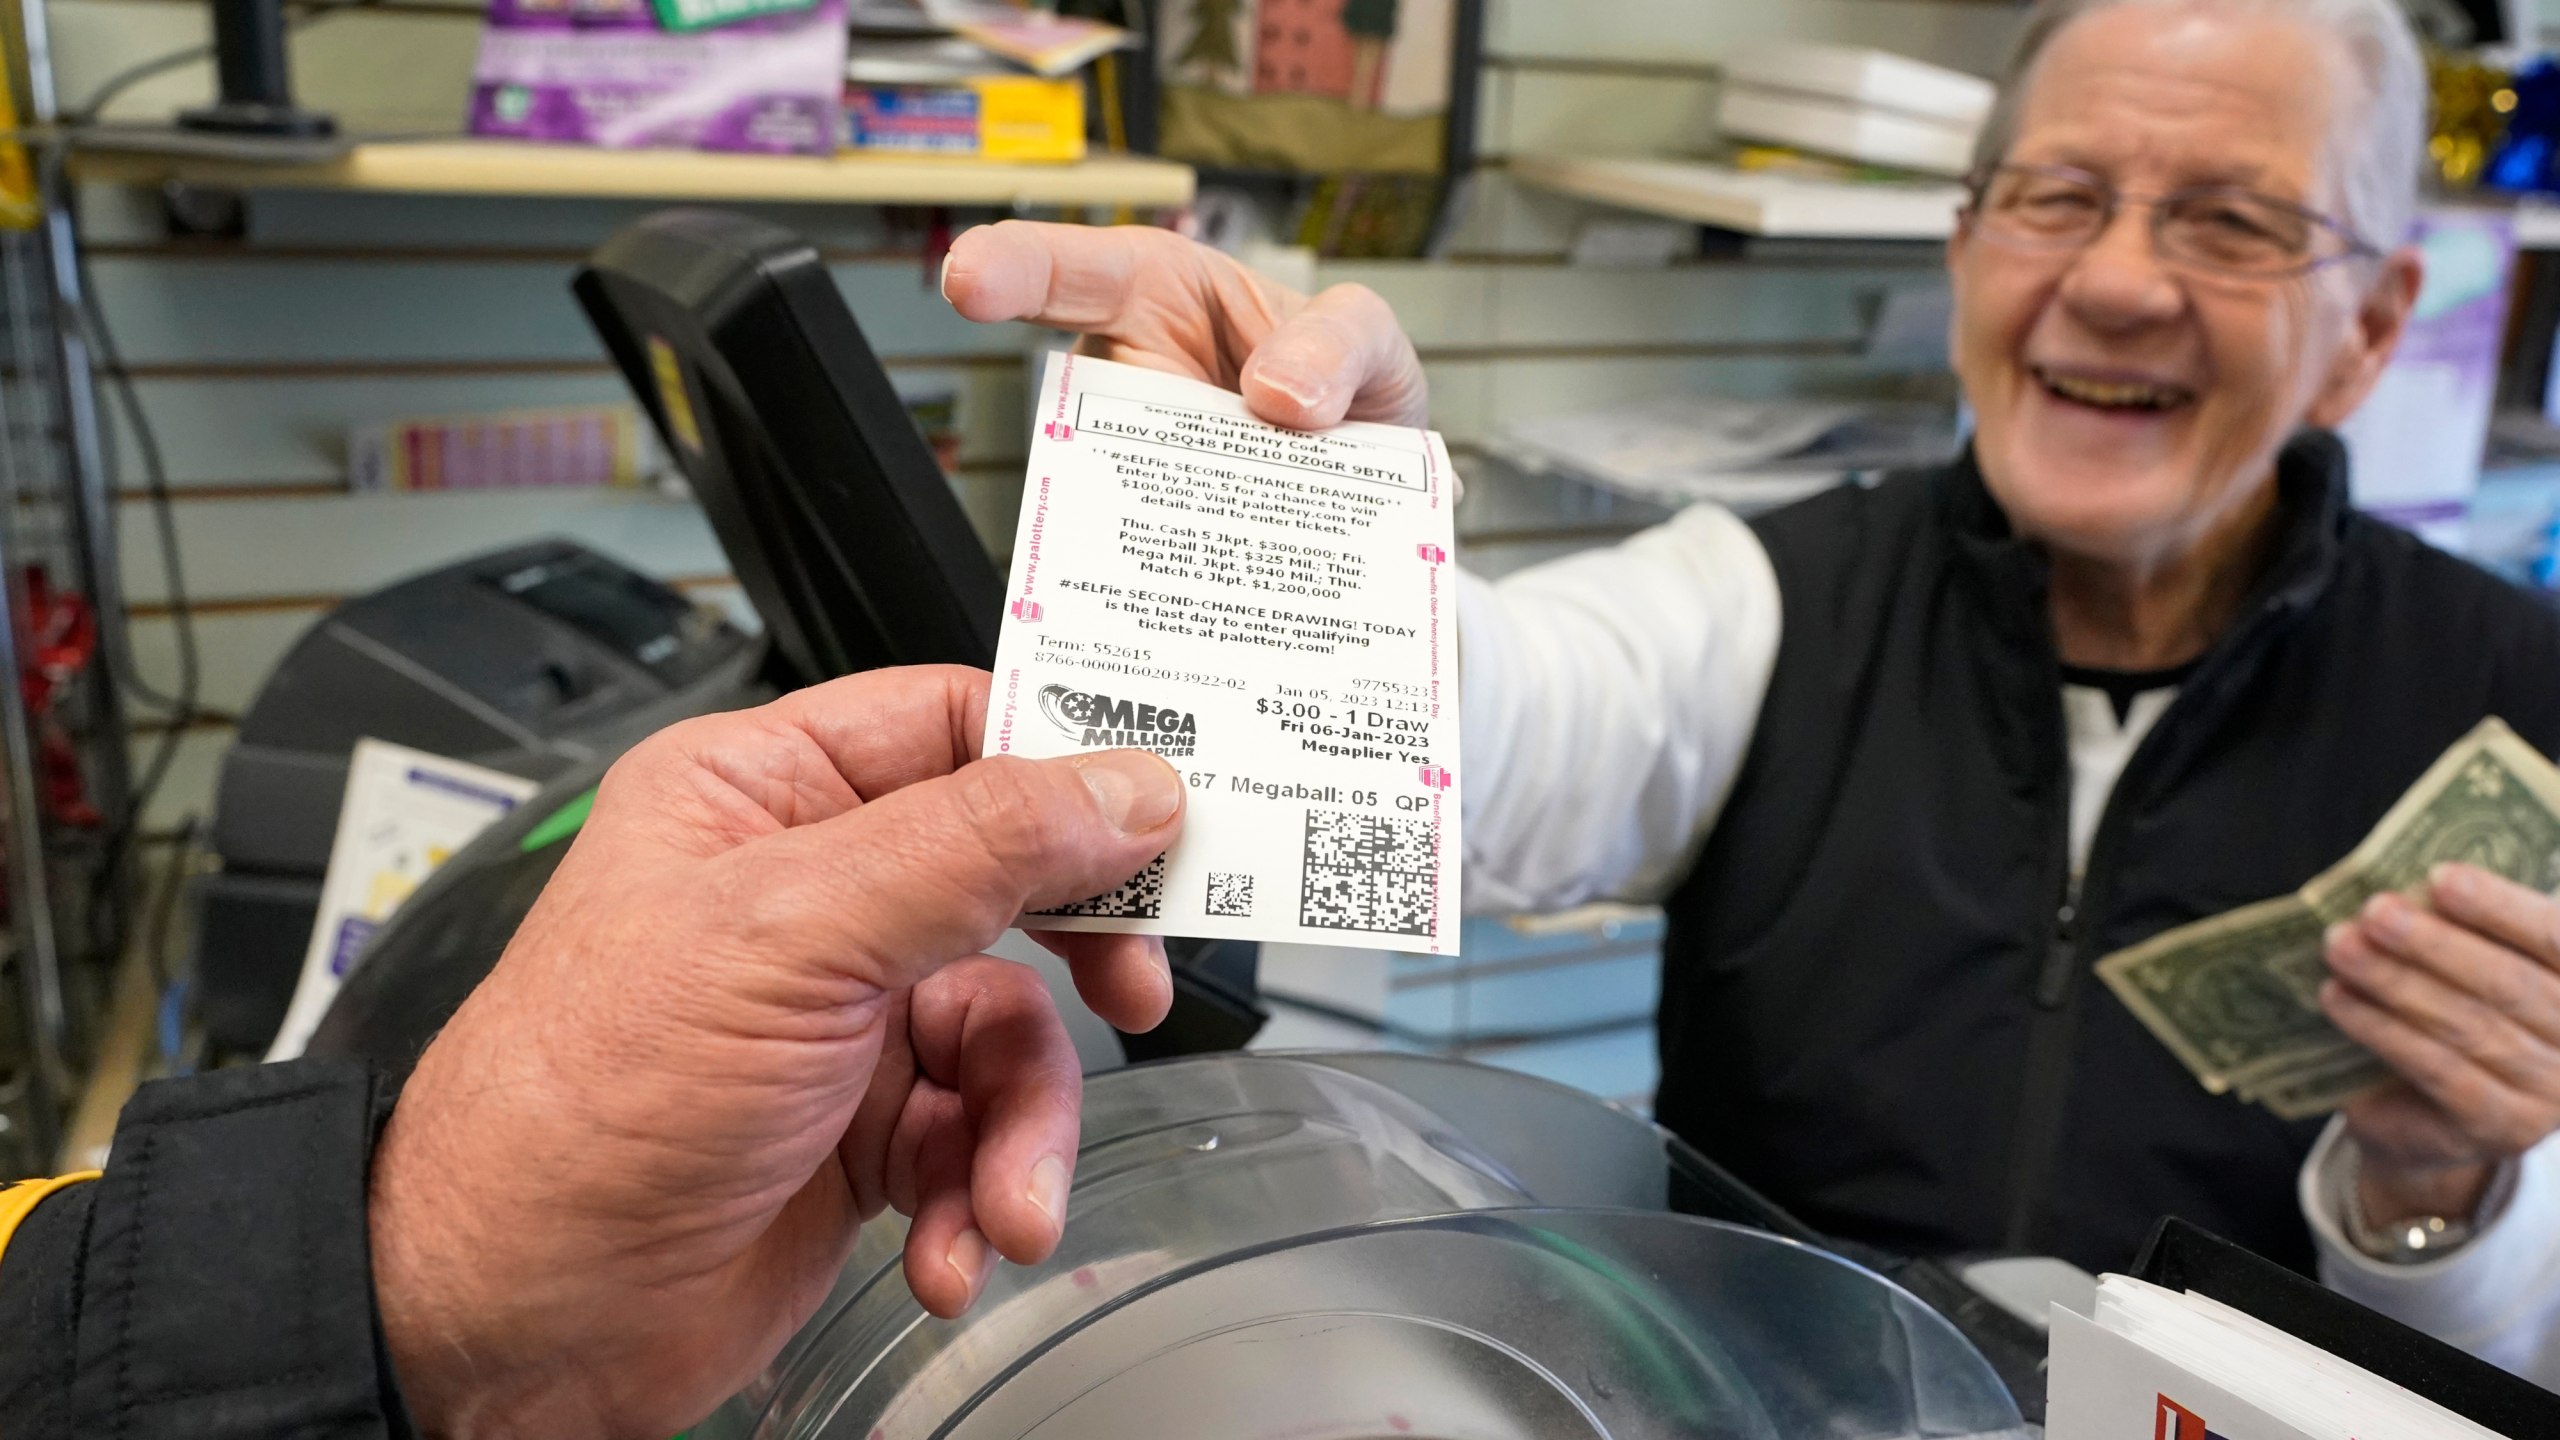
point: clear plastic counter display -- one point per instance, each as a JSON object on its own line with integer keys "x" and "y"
{"x": 1314, "y": 1247}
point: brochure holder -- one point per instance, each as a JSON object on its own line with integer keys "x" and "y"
{"x": 2181, "y": 1256}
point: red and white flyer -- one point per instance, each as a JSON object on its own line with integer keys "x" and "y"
{"x": 1273, "y": 611}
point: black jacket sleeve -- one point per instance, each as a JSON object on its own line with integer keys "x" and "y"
{"x": 217, "y": 1281}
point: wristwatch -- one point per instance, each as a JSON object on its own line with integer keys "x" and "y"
{"x": 2405, "y": 1242}
{"x": 2415, "y": 1239}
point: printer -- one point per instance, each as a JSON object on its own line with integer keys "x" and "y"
{"x": 528, "y": 661}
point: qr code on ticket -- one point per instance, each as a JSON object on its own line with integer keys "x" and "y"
{"x": 1141, "y": 898}
{"x": 1370, "y": 872}
{"x": 1230, "y": 895}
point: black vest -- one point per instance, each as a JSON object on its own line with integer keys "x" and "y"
{"x": 1877, "y": 1006}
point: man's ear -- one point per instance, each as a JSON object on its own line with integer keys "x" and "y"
{"x": 1957, "y": 244}
{"x": 2372, "y": 334}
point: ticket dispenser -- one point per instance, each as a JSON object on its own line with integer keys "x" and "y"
{"x": 829, "y": 505}
{"x": 1296, "y": 1245}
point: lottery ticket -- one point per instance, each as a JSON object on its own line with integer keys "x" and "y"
{"x": 1273, "y": 612}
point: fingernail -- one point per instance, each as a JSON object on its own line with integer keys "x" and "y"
{"x": 942, "y": 278}
{"x": 1049, "y": 1189}
{"x": 1304, "y": 389}
{"x": 2444, "y": 875}
{"x": 2397, "y": 917}
{"x": 1134, "y": 790}
{"x": 2330, "y": 937}
{"x": 2381, "y": 918}
{"x": 969, "y": 1259}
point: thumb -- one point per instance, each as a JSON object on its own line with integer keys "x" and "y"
{"x": 892, "y": 891}
{"x": 1341, "y": 356}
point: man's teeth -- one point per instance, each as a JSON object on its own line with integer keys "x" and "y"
{"x": 2114, "y": 396}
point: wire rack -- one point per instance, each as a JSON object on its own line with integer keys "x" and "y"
{"x": 35, "y": 475}
{"x": 65, "y": 825}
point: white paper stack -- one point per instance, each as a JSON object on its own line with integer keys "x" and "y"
{"x": 2154, "y": 1364}
{"x": 1860, "y": 104}
{"x": 1747, "y": 454}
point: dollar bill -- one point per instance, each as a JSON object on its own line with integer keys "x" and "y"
{"x": 2225, "y": 994}
{"x": 2237, "y": 997}
{"x": 2490, "y": 801}
{"x": 2319, "y": 1087}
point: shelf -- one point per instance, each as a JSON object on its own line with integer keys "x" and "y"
{"x": 2537, "y": 222}
{"x": 497, "y": 167}
{"x": 1754, "y": 202}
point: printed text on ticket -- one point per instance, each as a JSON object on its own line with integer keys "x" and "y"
{"x": 1272, "y": 611}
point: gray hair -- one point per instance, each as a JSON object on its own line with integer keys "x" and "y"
{"x": 2381, "y": 183}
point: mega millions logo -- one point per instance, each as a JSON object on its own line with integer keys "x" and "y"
{"x": 1103, "y": 723}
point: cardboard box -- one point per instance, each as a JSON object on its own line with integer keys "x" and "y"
{"x": 987, "y": 117}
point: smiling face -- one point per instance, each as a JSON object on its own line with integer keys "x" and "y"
{"x": 2125, "y": 410}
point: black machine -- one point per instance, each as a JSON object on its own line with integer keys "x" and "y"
{"x": 253, "y": 116}
{"x": 256, "y": 87}
{"x": 827, "y": 501}
{"x": 840, "y": 527}
{"x": 533, "y": 661}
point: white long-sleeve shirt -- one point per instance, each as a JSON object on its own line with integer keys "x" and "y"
{"x": 1608, "y": 700}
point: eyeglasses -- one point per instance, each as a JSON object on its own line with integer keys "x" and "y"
{"x": 2221, "y": 229}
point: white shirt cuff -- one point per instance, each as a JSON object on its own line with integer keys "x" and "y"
{"x": 2493, "y": 1296}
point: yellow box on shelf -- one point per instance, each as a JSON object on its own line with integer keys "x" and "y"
{"x": 20, "y": 206}
{"x": 986, "y": 117}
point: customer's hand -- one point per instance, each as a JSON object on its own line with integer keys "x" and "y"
{"x": 1148, "y": 297}
{"x": 745, "y": 1015}
{"x": 2465, "y": 1003}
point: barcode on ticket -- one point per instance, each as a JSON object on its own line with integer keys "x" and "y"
{"x": 1230, "y": 895}
{"x": 1141, "y": 898}
{"x": 1369, "y": 872}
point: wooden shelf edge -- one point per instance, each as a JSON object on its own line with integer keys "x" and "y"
{"x": 487, "y": 167}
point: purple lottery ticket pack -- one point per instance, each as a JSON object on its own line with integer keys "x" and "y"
{"x": 761, "y": 76}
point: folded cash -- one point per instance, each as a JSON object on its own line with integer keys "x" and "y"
{"x": 2237, "y": 997}
{"x": 2318, "y": 1086}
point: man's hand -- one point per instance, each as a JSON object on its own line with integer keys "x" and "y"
{"x": 1148, "y": 297}
{"x": 744, "y": 1016}
{"x": 2465, "y": 1004}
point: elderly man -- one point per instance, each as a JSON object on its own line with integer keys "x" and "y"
{"x": 1903, "y": 762}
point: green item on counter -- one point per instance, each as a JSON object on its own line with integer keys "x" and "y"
{"x": 561, "y": 824}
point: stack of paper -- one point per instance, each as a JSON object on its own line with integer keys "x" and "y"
{"x": 2154, "y": 1364}
{"x": 1039, "y": 41}
{"x": 1045, "y": 43}
{"x": 1863, "y": 104}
